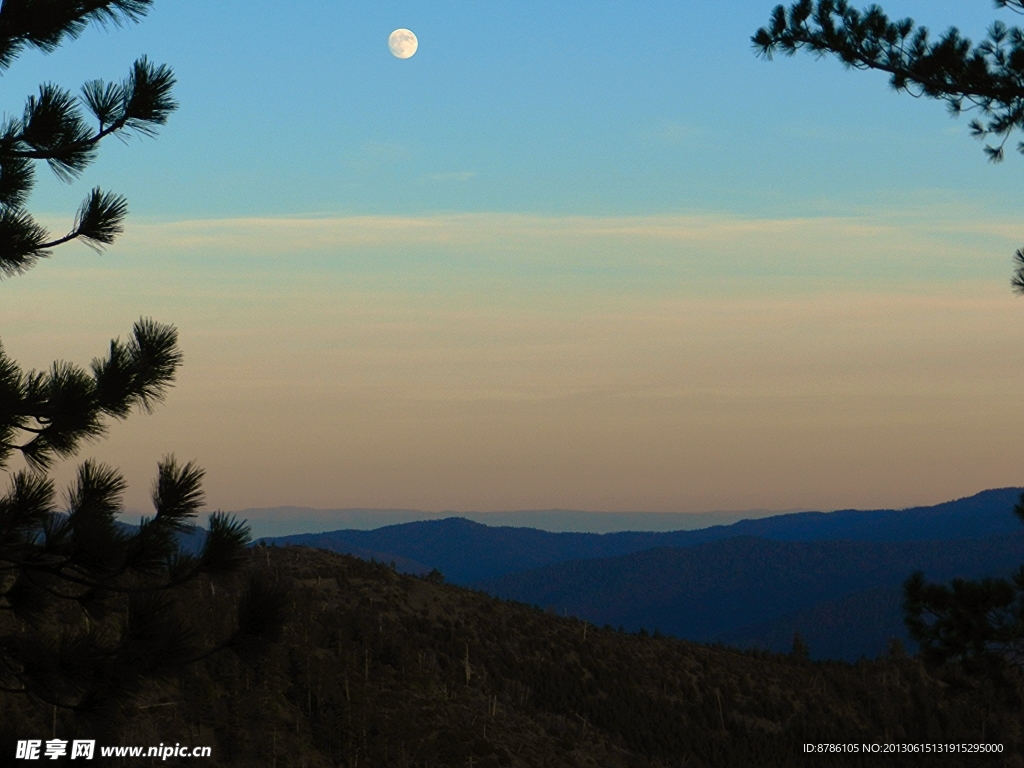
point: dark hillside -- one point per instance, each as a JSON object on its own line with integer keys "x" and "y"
{"x": 380, "y": 669}
{"x": 724, "y": 589}
{"x": 467, "y": 552}
{"x": 849, "y": 627}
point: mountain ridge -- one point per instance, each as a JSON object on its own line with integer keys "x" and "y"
{"x": 468, "y": 552}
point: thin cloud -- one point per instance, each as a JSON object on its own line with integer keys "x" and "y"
{"x": 931, "y": 244}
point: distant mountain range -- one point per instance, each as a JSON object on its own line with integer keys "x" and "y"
{"x": 467, "y": 552}
{"x": 835, "y": 577}
{"x": 288, "y": 521}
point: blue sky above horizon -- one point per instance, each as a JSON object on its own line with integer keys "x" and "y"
{"x": 604, "y": 260}
{"x": 628, "y": 109}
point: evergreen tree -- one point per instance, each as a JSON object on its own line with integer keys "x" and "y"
{"x": 87, "y": 605}
{"x": 978, "y": 625}
{"x": 987, "y": 78}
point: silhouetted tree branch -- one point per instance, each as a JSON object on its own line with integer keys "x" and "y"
{"x": 87, "y": 604}
{"x": 987, "y": 78}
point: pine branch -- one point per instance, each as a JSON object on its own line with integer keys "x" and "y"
{"x": 989, "y": 77}
{"x": 227, "y": 545}
{"x": 16, "y": 175}
{"x": 52, "y": 128}
{"x": 99, "y": 221}
{"x": 25, "y": 507}
{"x": 67, "y": 404}
{"x": 177, "y": 494}
{"x": 1017, "y": 281}
{"x": 22, "y": 22}
{"x": 22, "y": 242}
{"x": 1017, "y": 6}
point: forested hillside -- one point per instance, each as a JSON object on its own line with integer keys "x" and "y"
{"x": 378, "y": 668}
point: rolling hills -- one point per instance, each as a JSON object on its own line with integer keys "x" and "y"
{"x": 834, "y": 577}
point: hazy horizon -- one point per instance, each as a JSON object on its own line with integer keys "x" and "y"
{"x": 283, "y": 521}
{"x": 289, "y": 520}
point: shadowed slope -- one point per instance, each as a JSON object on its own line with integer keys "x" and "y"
{"x": 379, "y": 669}
{"x": 716, "y": 591}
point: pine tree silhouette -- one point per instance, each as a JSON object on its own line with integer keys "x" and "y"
{"x": 87, "y": 605}
{"x": 977, "y": 625}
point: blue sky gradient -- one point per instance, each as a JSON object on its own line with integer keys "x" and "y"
{"x": 557, "y": 259}
{"x": 627, "y": 108}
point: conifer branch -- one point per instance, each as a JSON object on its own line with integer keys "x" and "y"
{"x": 989, "y": 76}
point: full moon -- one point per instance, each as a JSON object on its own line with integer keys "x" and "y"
{"x": 402, "y": 43}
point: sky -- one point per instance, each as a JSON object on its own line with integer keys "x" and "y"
{"x": 598, "y": 259}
